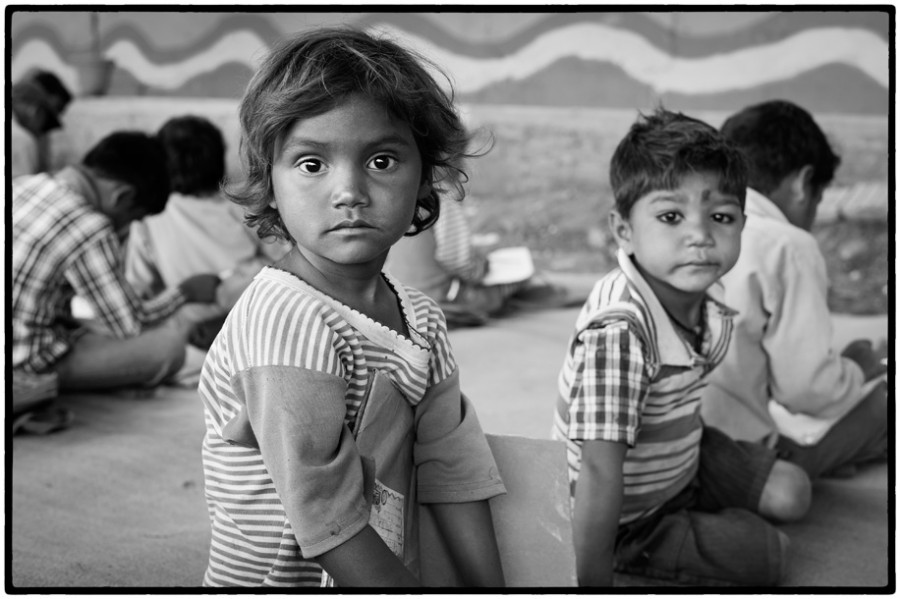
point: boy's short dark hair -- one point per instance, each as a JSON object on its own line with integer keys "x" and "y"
{"x": 135, "y": 158}
{"x": 660, "y": 149}
{"x": 314, "y": 72}
{"x": 53, "y": 86}
{"x": 195, "y": 150}
{"x": 778, "y": 138}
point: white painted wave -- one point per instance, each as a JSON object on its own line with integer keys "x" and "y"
{"x": 742, "y": 69}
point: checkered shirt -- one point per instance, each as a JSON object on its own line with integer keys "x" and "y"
{"x": 62, "y": 246}
{"x": 628, "y": 377}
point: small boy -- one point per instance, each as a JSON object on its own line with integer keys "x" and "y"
{"x": 67, "y": 231}
{"x": 655, "y": 492}
{"x": 782, "y": 347}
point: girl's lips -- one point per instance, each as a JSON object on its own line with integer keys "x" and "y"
{"x": 351, "y": 224}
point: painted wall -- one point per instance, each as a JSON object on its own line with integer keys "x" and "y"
{"x": 828, "y": 61}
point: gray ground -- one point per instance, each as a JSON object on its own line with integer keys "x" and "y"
{"x": 117, "y": 499}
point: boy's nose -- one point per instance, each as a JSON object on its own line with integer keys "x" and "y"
{"x": 700, "y": 233}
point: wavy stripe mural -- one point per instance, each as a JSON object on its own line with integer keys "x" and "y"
{"x": 647, "y": 55}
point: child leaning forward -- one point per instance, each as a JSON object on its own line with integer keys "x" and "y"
{"x": 331, "y": 394}
{"x": 655, "y": 492}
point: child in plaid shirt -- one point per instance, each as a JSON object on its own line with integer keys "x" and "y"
{"x": 67, "y": 235}
{"x": 655, "y": 492}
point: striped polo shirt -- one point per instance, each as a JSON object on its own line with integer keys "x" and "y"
{"x": 629, "y": 377}
{"x": 290, "y": 348}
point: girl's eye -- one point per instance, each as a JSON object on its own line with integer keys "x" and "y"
{"x": 725, "y": 219}
{"x": 311, "y": 166}
{"x": 383, "y": 162}
{"x": 670, "y": 217}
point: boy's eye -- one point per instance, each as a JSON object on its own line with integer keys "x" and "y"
{"x": 311, "y": 166}
{"x": 670, "y": 217}
{"x": 382, "y": 162}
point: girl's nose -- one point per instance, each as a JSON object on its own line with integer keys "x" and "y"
{"x": 349, "y": 189}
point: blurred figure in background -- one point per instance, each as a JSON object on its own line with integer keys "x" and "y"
{"x": 781, "y": 360}
{"x": 38, "y": 100}
{"x": 67, "y": 231}
{"x": 200, "y": 231}
{"x": 470, "y": 284}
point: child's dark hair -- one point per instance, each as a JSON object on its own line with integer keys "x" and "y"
{"x": 779, "y": 138}
{"x": 196, "y": 154}
{"x": 135, "y": 158}
{"x": 52, "y": 85}
{"x": 660, "y": 149}
{"x": 316, "y": 71}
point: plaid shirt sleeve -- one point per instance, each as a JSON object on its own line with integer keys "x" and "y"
{"x": 612, "y": 385}
{"x": 95, "y": 274}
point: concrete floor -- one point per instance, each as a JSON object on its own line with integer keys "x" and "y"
{"x": 117, "y": 499}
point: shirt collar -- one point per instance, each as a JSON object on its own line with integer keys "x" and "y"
{"x": 672, "y": 348}
{"x": 759, "y": 205}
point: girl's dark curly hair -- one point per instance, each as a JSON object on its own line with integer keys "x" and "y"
{"x": 314, "y": 72}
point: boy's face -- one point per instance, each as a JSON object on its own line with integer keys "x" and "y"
{"x": 683, "y": 239}
{"x": 346, "y": 183}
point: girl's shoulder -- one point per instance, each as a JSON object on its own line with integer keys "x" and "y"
{"x": 275, "y": 296}
{"x": 421, "y": 311}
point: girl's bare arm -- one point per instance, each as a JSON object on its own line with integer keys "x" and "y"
{"x": 365, "y": 561}
{"x": 468, "y": 529}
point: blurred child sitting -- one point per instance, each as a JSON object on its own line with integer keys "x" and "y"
{"x": 467, "y": 282}
{"x": 656, "y": 492}
{"x": 67, "y": 230}
{"x": 781, "y": 360}
{"x": 200, "y": 231}
{"x": 37, "y": 102}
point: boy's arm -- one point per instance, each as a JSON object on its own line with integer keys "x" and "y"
{"x": 364, "y": 560}
{"x": 468, "y": 529}
{"x": 96, "y": 274}
{"x": 598, "y": 502}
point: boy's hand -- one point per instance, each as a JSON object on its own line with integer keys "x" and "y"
{"x": 200, "y": 288}
{"x": 868, "y": 358}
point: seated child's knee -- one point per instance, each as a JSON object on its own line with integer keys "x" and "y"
{"x": 787, "y": 494}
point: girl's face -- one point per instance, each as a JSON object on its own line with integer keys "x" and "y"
{"x": 346, "y": 184}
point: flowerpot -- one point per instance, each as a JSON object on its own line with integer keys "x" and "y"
{"x": 94, "y": 75}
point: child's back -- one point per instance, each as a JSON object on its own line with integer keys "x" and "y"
{"x": 200, "y": 231}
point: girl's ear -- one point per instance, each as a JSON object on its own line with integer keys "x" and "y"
{"x": 424, "y": 189}
{"x": 621, "y": 230}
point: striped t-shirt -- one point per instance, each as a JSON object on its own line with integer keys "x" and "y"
{"x": 281, "y": 387}
{"x": 628, "y": 377}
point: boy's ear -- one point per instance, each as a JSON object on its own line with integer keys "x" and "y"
{"x": 116, "y": 197}
{"x": 799, "y": 183}
{"x": 621, "y": 230}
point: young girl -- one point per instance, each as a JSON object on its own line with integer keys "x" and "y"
{"x": 331, "y": 394}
